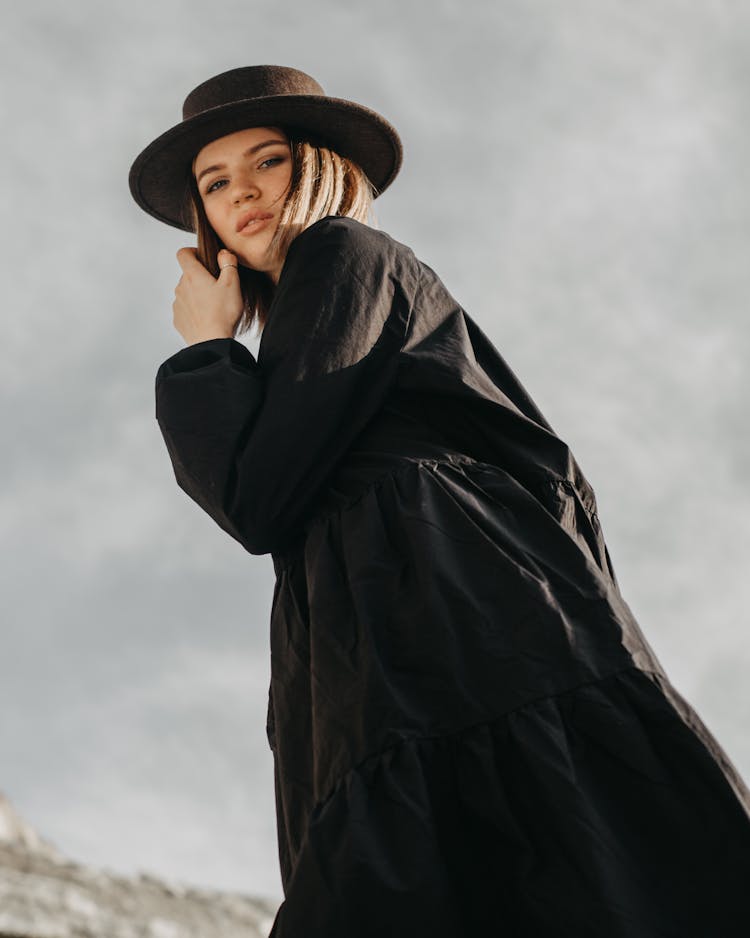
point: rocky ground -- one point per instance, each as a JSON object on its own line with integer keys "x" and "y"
{"x": 45, "y": 895}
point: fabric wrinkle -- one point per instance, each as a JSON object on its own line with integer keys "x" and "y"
{"x": 470, "y": 732}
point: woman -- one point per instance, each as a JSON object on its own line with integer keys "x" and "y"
{"x": 471, "y": 735}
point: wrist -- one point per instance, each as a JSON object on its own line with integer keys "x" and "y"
{"x": 207, "y": 336}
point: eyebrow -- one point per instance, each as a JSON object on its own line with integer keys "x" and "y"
{"x": 248, "y": 152}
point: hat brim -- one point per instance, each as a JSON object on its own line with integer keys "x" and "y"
{"x": 158, "y": 177}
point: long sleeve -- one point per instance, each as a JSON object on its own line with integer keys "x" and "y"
{"x": 253, "y": 442}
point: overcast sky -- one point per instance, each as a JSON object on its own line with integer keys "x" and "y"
{"x": 577, "y": 174}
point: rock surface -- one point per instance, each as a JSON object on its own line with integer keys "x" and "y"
{"x": 45, "y": 895}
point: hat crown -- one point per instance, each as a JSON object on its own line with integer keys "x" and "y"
{"x": 243, "y": 84}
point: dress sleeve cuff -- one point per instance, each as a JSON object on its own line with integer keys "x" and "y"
{"x": 204, "y": 354}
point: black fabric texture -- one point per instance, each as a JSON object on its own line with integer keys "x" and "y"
{"x": 471, "y": 734}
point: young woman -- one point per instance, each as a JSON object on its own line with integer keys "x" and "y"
{"x": 471, "y": 734}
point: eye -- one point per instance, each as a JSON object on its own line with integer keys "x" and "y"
{"x": 215, "y": 185}
{"x": 272, "y": 160}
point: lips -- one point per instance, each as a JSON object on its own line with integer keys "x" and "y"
{"x": 249, "y": 221}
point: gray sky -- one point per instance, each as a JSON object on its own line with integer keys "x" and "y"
{"x": 576, "y": 172}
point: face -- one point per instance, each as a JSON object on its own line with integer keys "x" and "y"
{"x": 242, "y": 180}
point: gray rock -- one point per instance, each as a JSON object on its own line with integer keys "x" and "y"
{"x": 43, "y": 894}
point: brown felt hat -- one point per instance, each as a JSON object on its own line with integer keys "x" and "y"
{"x": 259, "y": 96}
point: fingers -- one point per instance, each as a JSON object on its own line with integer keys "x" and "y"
{"x": 206, "y": 306}
{"x": 226, "y": 259}
{"x": 229, "y": 274}
{"x": 187, "y": 258}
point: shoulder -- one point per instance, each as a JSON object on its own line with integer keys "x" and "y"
{"x": 340, "y": 229}
{"x": 344, "y": 241}
{"x": 341, "y": 276}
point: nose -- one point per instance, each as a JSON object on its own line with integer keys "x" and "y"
{"x": 244, "y": 189}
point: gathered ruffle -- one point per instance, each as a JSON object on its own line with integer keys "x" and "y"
{"x": 440, "y": 594}
{"x": 609, "y": 810}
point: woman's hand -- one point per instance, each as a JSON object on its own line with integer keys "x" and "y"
{"x": 207, "y": 307}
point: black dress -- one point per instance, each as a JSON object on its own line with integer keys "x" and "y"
{"x": 471, "y": 735}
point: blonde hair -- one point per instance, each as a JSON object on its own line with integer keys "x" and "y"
{"x": 323, "y": 183}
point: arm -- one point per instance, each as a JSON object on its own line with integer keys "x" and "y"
{"x": 254, "y": 442}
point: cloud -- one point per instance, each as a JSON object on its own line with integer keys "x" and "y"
{"x": 578, "y": 177}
